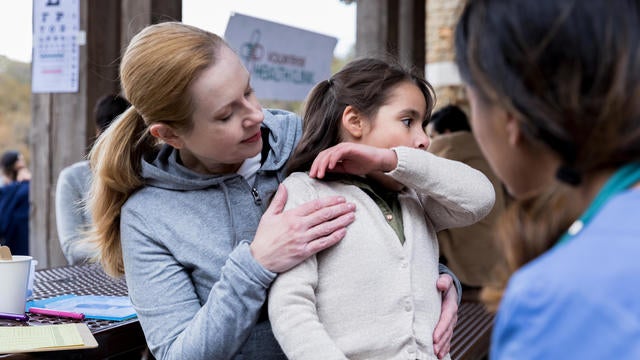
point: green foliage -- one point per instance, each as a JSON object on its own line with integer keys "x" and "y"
{"x": 15, "y": 105}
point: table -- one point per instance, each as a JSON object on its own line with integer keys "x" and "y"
{"x": 116, "y": 339}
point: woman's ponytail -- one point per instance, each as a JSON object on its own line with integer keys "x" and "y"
{"x": 116, "y": 164}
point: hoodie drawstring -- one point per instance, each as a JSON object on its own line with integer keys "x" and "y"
{"x": 229, "y": 210}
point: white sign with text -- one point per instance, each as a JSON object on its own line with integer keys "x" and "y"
{"x": 284, "y": 62}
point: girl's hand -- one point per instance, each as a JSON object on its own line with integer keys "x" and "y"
{"x": 352, "y": 158}
{"x": 286, "y": 238}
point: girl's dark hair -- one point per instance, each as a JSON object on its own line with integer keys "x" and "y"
{"x": 570, "y": 72}
{"x": 366, "y": 85}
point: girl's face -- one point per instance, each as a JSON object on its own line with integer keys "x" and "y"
{"x": 399, "y": 122}
{"x": 524, "y": 167}
{"x": 226, "y": 118}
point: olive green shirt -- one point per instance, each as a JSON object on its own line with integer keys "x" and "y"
{"x": 387, "y": 200}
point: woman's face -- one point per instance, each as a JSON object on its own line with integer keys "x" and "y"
{"x": 524, "y": 167}
{"x": 399, "y": 122}
{"x": 226, "y": 118}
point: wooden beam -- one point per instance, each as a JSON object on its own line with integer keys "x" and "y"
{"x": 374, "y": 28}
{"x": 58, "y": 139}
{"x": 411, "y": 34}
{"x": 392, "y": 28}
{"x": 103, "y": 54}
{"x": 134, "y": 17}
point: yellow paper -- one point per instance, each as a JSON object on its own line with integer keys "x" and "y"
{"x": 17, "y": 338}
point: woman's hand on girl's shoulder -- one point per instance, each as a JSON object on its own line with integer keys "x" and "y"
{"x": 286, "y": 238}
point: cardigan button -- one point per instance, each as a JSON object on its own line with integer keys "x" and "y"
{"x": 389, "y": 217}
{"x": 407, "y": 307}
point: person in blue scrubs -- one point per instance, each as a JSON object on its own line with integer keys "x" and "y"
{"x": 553, "y": 87}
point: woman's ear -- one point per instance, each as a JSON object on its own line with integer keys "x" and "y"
{"x": 166, "y": 134}
{"x": 512, "y": 127}
{"x": 352, "y": 122}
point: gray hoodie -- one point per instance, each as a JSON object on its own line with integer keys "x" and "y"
{"x": 185, "y": 236}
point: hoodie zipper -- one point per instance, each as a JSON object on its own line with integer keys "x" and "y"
{"x": 256, "y": 196}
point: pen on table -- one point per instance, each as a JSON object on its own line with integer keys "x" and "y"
{"x": 16, "y": 317}
{"x": 58, "y": 313}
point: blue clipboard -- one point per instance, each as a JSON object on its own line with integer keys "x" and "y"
{"x": 116, "y": 308}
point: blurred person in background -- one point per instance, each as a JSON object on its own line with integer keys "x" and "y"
{"x": 72, "y": 216}
{"x": 14, "y": 203}
{"x": 14, "y": 167}
{"x": 472, "y": 252}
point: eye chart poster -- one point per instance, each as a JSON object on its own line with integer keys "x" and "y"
{"x": 56, "y": 58}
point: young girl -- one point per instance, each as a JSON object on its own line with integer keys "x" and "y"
{"x": 374, "y": 295}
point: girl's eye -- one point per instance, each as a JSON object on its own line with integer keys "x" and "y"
{"x": 248, "y": 92}
{"x": 406, "y": 122}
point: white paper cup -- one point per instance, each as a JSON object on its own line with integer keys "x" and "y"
{"x": 13, "y": 287}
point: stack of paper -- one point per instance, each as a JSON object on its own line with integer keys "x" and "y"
{"x": 15, "y": 339}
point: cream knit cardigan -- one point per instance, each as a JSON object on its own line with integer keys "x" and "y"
{"x": 369, "y": 296}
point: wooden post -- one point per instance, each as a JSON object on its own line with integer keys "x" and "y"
{"x": 58, "y": 138}
{"x": 392, "y": 28}
{"x": 137, "y": 14}
{"x": 411, "y": 34}
{"x": 376, "y": 28}
{"x": 62, "y": 123}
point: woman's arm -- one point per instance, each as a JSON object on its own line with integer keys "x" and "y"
{"x": 176, "y": 323}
